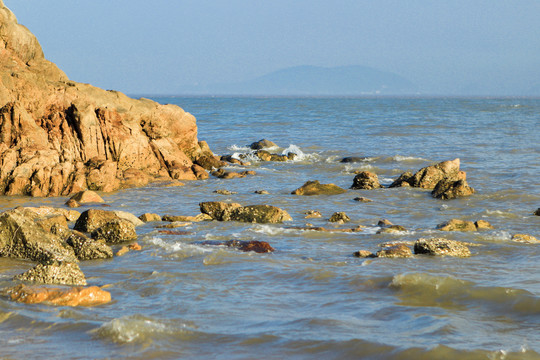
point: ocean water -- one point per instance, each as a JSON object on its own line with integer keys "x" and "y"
{"x": 311, "y": 298}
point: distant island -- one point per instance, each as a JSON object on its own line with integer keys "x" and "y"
{"x": 317, "y": 81}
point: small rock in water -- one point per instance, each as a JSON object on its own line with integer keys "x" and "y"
{"x": 391, "y": 229}
{"x": 115, "y": 231}
{"x": 316, "y": 188}
{"x": 395, "y": 251}
{"x": 364, "y": 254}
{"x": 339, "y": 217}
{"x": 312, "y": 214}
{"x": 73, "y": 203}
{"x": 149, "y": 217}
{"x": 87, "y": 196}
{"x": 384, "y": 223}
{"x": 73, "y": 296}
{"x": 244, "y": 245}
{"x": 366, "y": 180}
{"x": 457, "y": 225}
{"x": 262, "y": 192}
{"x": 524, "y": 238}
{"x": 362, "y": 199}
{"x": 224, "y": 192}
{"x": 353, "y": 159}
{"x": 440, "y": 246}
{"x": 262, "y": 144}
{"x": 61, "y": 273}
{"x": 483, "y": 224}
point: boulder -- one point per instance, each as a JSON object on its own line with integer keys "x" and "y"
{"x": 366, "y": 180}
{"x": 395, "y": 251}
{"x": 404, "y": 180}
{"x": 62, "y": 273}
{"x": 115, "y": 232}
{"x": 429, "y": 176}
{"x": 524, "y": 238}
{"x": 262, "y": 144}
{"x": 60, "y": 137}
{"x": 86, "y": 197}
{"x": 441, "y": 247}
{"x": 69, "y": 296}
{"x": 339, "y": 217}
{"x": 92, "y": 219}
{"x": 235, "y": 212}
{"x": 21, "y": 237}
{"x": 88, "y": 249}
{"x": 149, "y": 217}
{"x": 457, "y": 225}
{"x": 316, "y": 188}
{"x": 449, "y": 189}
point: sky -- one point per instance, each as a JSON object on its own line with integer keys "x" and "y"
{"x": 458, "y": 47}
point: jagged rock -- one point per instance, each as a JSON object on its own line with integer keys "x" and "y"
{"x": 88, "y": 249}
{"x": 395, "y": 251}
{"x": 62, "y": 273}
{"x": 115, "y": 231}
{"x": 457, "y": 225}
{"x": 262, "y": 144}
{"x": 59, "y": 137}
{"x": 92, "y": 219}
{"x": 339, "y": 217}
{"x": 440, "y": 246}
{"x": 384, "y": 223}
{"x": 86, "y": 197}
{"x": 366, "y": 180}
{"x": 429, "y": 176}
{"x": 316, "y": 188}
{"x": 524, "y": 238}
{"x": 21, "y": 237}
{"x": 71, "y": 296}
{"x": 235, "y": 212}
{"x": 148, "y": 217}
{"x": 449, "y": 189}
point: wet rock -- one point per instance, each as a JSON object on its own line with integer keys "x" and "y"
{"x": 404, "y": 180}
{"x": 262, "y": 144}
{"x": 88, "y": 249}
{"x": 537, "y": 212}
{"x": 364, "y": 254}
{"x": 483, "y": 225}
{"x": 353, "y": 159}
{"x": 244, "y": 245}
{"x": 384, "y": 223}
{"x": 391, "y": 229}
{"x": 262, "y": 192}
{"x": 441, "y": 247}
{"x": 92, "y": 219}
{"x": 449, "y": 189}
{"x": 362, "y": 199}
{"x": 62, "y": 273}
{"x": 86, "y": 197}
{"x": 71, "y": 296}
{"x": 125, "y": 249}
{"x": 224, "y": 174}
{"x": 366, "y": 180}
{"x": 253, "y": 213}
{"x": 339, "y": 217}
{"x": 180, "y": 218}
{"x": 457, "y": 225}
{"x": 316, "y": 188}
{"x": 209, "y": 162}
{"x": 115, "y": 231}
{"x": 21, "y": 237}
{"x": 267, "y": 156}
{"x": 429, "y": 176}
{"x": 524, "y": 238}
{"x": 224, "y": 192}
{"x": 312, "y": 214}
{"x": 233, "y": 160}
{"x": 395, "y": 251}
{"x": 148, "y": 217}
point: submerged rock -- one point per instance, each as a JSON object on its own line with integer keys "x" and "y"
{"x": 71, "y": 296}
{"x": 366, "y": 180}
{"x": 391, "y": 229}
{"x": 524, "y": 238}
{"x": 457, "y": 225}
{"x": 441, "y": 247}
{"x": 353, "y": 159}
{"x": 222, "y": 211}
{"x": 312, "y": 214}
{"x": 182, "y": 218}
{"x": 362, "y": 199}
{"x": 62, "y": 273}
{"x": 267, "y": 156}
{"x": 339, "y": 217}
{"x": 316, "y": 188}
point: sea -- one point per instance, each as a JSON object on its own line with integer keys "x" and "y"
{"x": 181, "y": 298}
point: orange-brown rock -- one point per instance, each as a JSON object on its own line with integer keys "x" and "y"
{"x": 251, "y": 245}
{"x": 58, "y": 137}
{"x": 72, "y": 296}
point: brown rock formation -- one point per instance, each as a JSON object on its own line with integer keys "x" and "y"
{"x": 366, "y": 180}
{"x": 73, "y": 296}
{"x": 58, "y": 137}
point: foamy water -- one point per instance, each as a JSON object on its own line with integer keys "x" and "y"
{"x": 179, "y": 298}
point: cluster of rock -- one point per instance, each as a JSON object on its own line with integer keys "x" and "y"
{"x": 59, "y": 137}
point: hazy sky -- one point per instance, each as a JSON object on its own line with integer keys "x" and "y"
{"x": 164, "y": 46}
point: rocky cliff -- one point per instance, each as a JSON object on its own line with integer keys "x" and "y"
{"x": 58, "y": 136}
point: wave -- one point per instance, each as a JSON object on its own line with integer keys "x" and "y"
{"x": 420, "y": 289}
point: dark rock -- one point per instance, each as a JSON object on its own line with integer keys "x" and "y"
{"x": 64, "y": 273}
{"x": 115, "y": 231}
{"x": 251, "y": 245}
{"x": 362, "y": 199}
{"x": 209, "y": 162}
{"x": 316, "y": 188}
{"x": 262, "y": 192}
{"x": 449, "y": 189}
{"x": 482, "y": 224}
{"x": 224, "y": 192}
{"x": 88, "y": 249}
{"x": 537, "y": 212}
{"x": 366, "y": 180}
{"x": 439, "y": 246}
{"x": 353, "y": 159}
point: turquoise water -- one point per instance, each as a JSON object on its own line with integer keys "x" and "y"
{"x": 180, "y": 299}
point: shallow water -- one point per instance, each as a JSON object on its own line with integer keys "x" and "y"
{"x": 311, "y": 298}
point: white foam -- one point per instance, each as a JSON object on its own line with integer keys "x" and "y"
{"x": 180, "y": 247}
{"x": 407, "y": 158}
